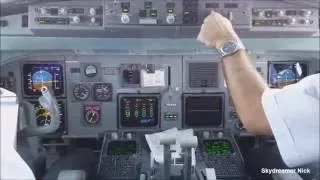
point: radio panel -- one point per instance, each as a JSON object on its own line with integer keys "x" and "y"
{"x": 285, "y": 18}
{"x": 66, "y": 16}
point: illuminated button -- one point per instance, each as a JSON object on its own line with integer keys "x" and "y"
{"x": 256, "y": 23}
{"x": 125, "y": 10}
{"x": 170, "y": 10}
{"x": 148, "y": 5}
{"x": 153, "y": 13}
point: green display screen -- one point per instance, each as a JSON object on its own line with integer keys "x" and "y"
{"x": 218, "y": 147}
{"x": 122, "y": 147}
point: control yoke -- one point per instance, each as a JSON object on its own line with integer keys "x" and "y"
{"x": 49, "y": 102}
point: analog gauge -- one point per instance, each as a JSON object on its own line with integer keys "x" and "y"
{"x": 81, "y": 92}
{"x": 92, "y": 117}
{"x": 103, "y": 92}
{"x": 92, "y": 114}
{"x": 91, "y": 71}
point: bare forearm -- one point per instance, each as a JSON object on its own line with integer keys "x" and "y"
{"x": 246, "y": 87}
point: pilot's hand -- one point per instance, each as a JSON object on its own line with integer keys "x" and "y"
{"x": 216, "y": 30}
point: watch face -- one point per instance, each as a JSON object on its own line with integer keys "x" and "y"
{"x": 229, "y": 47}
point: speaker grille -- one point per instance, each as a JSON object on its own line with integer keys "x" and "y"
{"x": 203, "y": 75}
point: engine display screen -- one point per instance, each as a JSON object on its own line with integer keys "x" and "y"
{"x": 218, "y": 147}
{"x": 283, "y": 74}
{"x": 122, "y": 148}
{"x": 37, "y": 75}
{"x": 139, "y": 111}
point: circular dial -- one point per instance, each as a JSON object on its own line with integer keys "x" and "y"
{"x": 81, "y": 92}
{"x": 76, "y": 19}
{"x": 92, "y": 117}
{"x": 103, "y": 92}
{"x": 91, "y": 71}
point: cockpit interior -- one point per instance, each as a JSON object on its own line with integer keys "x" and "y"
{"x": 122, "y": 90}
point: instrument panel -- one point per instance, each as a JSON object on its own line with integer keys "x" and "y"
{"x": 181, "y": 18}
{"x": 134, "y": 93}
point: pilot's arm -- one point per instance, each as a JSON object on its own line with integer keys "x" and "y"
{"x": 290, "y": 114}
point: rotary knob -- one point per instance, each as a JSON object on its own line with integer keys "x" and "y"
{"x": 114, "y": 136}
{"x": 170, "y": 19}
{"x": 259, "y": 13}
{"x": 76, "y": 19}
{"x": 43, "y": 10}
{"x": 62, "y": 11}
{"x": 305, "y": 21}
{"x": 220, "y": 134}
{"x": 291, "y": 21}
{"x": 206, "y": 134}
{"x": 125, "y": 19}
{"x": 129, "y": 136}
{"x": 93, "y": 20}
{"x": 306, "y": 13}
{"x": 92, "y": 11}
{"x": 280, "y": 13}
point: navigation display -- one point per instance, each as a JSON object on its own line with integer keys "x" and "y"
{"x": 37, "y": 75}
{"x": 218, "y": 147}
{"x": 139, "y": 111}
{"x": 202, "y": 110}
{"x": 122, "y": 147}
{"x": 283, "y": 74}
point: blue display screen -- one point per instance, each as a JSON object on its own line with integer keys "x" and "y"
{"x": 283, "y": 74}
{"x": 37, "y": 75}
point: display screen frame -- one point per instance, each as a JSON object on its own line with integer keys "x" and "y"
{"x": 270, "y": 63}
{"x": 218, "y": 124}
{"x": 43, "y": 62}
{"x": 205, "y": 149}
{"x": 156, "y": 123}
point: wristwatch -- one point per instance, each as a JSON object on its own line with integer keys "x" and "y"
{"x": 230, "y": 47}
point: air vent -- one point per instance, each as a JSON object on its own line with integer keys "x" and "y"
{"x": 203, "y": 75}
